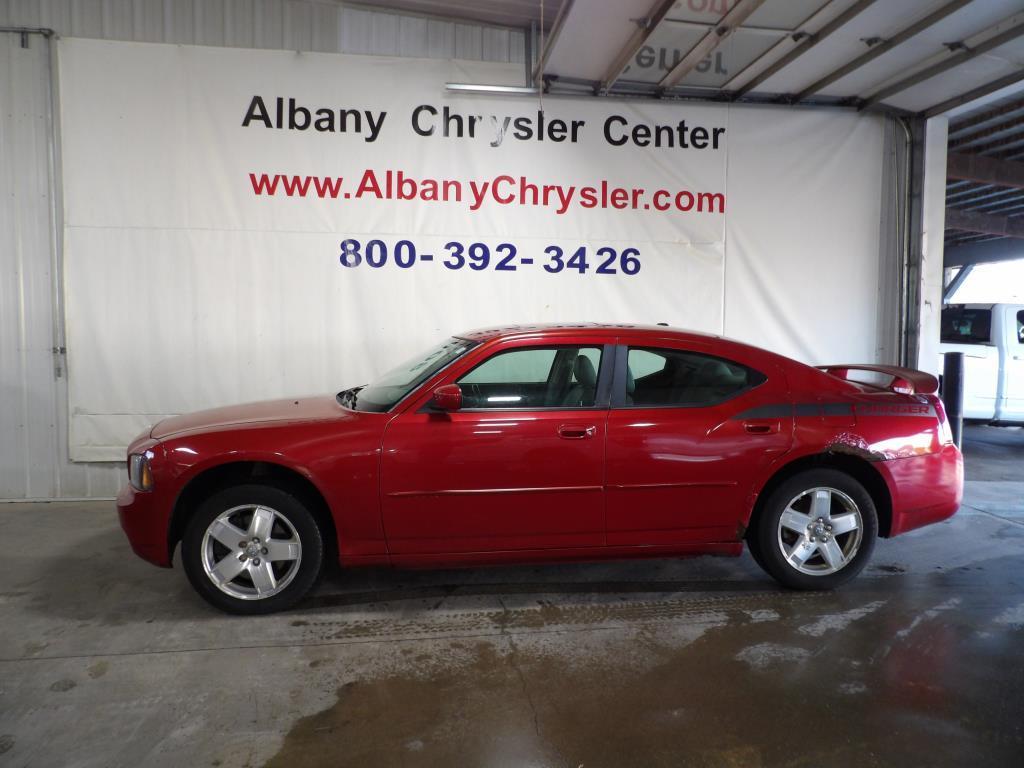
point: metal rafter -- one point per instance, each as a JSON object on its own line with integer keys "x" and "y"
{"x": 877, "y": 50}
{"x": 998, "y": 131}
{"x": 711, "y": 40}
{"x": 1007, "y": 207}
{"x": 637, "y": 41}
{"x": 955, "y": 60}
{"x": 984, "y": 223}
{"x": 965, "y": 126}
{"x": 806, "y": 42}
{"x": 975, "y": 93}
{"x": 984, "y": 195}
{"x": 1002, "y": 147}
{"x": 552, "y": 38}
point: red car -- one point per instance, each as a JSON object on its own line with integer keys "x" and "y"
{"x": 548, "y": 443}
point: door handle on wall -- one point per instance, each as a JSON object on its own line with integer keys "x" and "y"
{"x": 576, "y": 431}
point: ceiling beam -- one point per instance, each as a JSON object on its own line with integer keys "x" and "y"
{"x": 961, "y": 56}
{"x": 722, "y": 29}
{"x": 984, "y": 223}
{"x": 1002, "y": 146}
{"x": 551, "y": 39}
{"x": 806, "y": 42}
{"x": 985, "y": 170}
{"x": 998, "y": 131}
{"x": 964, "y": 126}
{"x": 974, "y": 94}
{"x": 877, "y": 50}
{"x": 637, "y": 41}
{"x": 983, "y": 253}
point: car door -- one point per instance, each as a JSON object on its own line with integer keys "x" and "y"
{"x": 1011, "y": 405}
{"x": 519, "y": 467}
{"x": 688, "y": 432}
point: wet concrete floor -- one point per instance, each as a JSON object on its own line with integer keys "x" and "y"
{"x": 105, "y": 660}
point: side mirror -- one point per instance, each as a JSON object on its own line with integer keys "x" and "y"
{"x": 447, "y": 398}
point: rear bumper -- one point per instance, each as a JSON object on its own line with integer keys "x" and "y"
{"x": 925, "y": 489}
{"x": 145, "y": 524}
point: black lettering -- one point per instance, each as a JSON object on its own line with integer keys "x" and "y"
{"x": 416, "y": 119}
{"x": 641, "y": 135}
{"x": 523, "y": 128}
{"x": 374, "y": 126}
{"x": 324, "y": 120}
{"x": 345, "y": 114}
{"x": 300, "y": 111}
{"x": 621, "y": 121}
{"x": 257, "y": 111}
{"x": 557, "y": 130}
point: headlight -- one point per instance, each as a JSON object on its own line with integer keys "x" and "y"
{"x": 139, "y": 473}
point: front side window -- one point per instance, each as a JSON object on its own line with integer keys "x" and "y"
{"x": 674, "y": 377}
{"x": 534, "y": 377}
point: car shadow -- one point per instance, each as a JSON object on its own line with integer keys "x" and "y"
{"x": 99, "y": 579}
{"x": 697, "y": 575}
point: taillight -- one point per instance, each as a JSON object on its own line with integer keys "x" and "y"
{"x": 945, "y": 432}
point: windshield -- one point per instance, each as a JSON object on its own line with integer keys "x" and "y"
{"x": 390, "y": 388}
{"x": 961, "y": 325}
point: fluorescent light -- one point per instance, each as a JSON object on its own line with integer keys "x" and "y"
{"x": 512, "y": 90}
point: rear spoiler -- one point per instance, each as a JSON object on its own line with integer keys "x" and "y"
{"x": 905, "y": 381}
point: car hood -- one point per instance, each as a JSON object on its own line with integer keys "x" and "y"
{"x": 287, "y": 410}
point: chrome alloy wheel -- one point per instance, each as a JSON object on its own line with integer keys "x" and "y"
{"x": 820, "y": 531}
{"x": 251, "y": 552}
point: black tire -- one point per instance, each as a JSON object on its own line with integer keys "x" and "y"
{"x": 754, "y": 547}
{"x": 301, "y": 520}
{"x": 768, "y": 550}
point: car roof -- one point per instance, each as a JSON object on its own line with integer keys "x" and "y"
{"x": 596, "y": 329}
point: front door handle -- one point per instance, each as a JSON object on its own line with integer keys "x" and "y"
{"x": 576, "y": 431}
{"x": 761, "y": 427}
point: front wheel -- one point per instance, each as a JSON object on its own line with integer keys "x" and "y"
{"x": 252, "y": 549}
{"x": 817, "y": 530}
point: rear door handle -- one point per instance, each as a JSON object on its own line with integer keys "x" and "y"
{"x": 761, "y": 427}
{"x": 576, "y": 431}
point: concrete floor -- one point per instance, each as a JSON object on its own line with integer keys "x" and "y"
{"x": 107, "y": 661}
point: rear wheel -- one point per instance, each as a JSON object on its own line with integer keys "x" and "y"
{"x": 817, "y": 530}
{"x": 252, "y": 549}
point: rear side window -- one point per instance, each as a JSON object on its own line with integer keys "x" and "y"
{"x": 674, "y": 377}
{"x": 534, "y": 377}
{"x": 1020, "y": 327}
{"x": 966, "y": 326}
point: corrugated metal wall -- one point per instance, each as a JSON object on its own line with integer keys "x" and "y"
{"x": 33, "y": 397}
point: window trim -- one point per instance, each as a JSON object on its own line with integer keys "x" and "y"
{"x": 602, "y": 393}
{"x": 618, "y": 399}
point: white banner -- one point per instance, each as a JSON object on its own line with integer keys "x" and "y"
{"x": 249, "y": 224}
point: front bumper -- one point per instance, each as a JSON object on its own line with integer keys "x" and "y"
{"x": 145, "y": 523}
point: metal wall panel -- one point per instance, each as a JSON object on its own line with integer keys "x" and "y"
{"x": 33, "y": 397}
{"x": 295, "y": 25}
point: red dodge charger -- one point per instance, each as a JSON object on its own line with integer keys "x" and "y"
{"x": 548, "y": 443}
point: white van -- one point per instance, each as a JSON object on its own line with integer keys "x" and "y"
{"x": 991, "y": 336}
